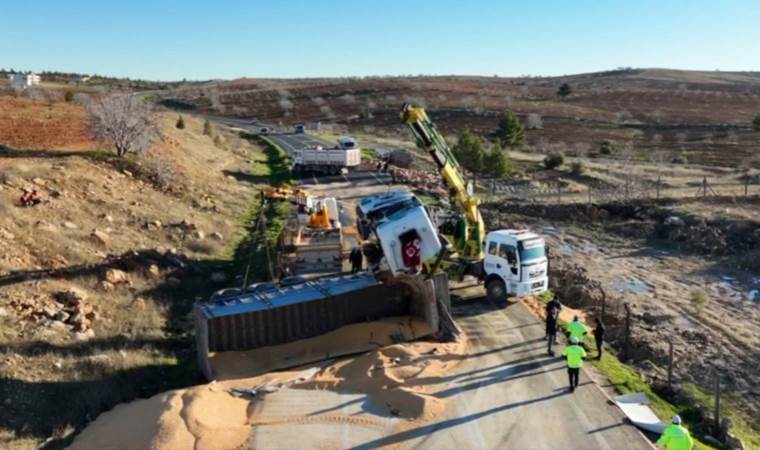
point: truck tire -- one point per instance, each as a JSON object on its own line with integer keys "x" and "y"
{"x": 496, "y": 291}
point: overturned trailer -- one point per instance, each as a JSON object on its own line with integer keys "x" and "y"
{"x": 282, "y": 315}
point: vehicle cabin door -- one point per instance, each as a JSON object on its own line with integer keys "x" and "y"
{"x": 502, "y": 259}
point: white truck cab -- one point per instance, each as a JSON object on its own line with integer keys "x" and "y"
{"x": 406, "y": 235}
{"x": 346, "y": 142}
{"x": 515, "y": 264}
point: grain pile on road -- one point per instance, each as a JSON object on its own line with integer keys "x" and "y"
{"x": 215, "y": 415}
{"x": 347, "y": 340}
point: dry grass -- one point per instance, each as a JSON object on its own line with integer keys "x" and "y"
{"x": 142, "y": 342}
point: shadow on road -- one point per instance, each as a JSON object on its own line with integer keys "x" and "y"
{"x": 445, "y": 424}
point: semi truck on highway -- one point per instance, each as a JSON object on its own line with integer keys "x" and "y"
{"x": 330, "y": 161}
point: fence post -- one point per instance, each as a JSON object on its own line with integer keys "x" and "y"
{"x": 627, "y": 331}
{"x": 604, "y": 302}
{"x": 704, "y": 186}
{"x": 717, "y": 402}
{"x": 559, "y": 194}
{"x": 589, "y": 195}
{"x": 659, "y": 177}
{"x": 670, "y": 365}
{"x": 746, "y": 185}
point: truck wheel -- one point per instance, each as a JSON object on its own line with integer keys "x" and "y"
{"x": 496, "y": 292}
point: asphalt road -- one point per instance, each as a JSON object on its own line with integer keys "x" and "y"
{"x": 507, "y": 393}
{"x": 285, "y": 138}
{"x": 297, "y": 141}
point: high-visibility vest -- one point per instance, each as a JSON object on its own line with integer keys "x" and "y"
{"x": 575, "y": 354}
{"x": 676, "y": 437}
{"x": 576, "y": 330}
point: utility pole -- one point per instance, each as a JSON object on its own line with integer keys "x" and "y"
{"x": 659, "y": 179}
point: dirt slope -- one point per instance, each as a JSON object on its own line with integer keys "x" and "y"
{"x": 97, "y": 282}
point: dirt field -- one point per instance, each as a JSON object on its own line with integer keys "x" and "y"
{"x": 96, "y": 283}
{"x": 705, "y": 116}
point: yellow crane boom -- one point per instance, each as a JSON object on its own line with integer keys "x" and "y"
{"x": 470, "y": 234}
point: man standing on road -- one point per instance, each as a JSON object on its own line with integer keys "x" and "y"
{"x": 599, "y": 337}
{"x": 676, "y": 436}
{"x": 356, "y": 258}
{"x": 552, "y": 315}
{"x": 575, "y": 355}
{"x": 577, "y": 330}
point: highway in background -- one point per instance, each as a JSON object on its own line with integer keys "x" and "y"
{"x": 285, "y": 138}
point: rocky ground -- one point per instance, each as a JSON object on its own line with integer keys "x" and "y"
{"x": 97, "y": 282}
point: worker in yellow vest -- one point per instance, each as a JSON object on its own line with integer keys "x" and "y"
{"x": 676, "y": 436}
{"x": 576, "y": 329}
{"x": 575, "y": 355}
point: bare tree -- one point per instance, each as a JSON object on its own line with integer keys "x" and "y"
{"x": 124, "y": 121}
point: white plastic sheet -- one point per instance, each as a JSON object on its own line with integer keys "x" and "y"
{"x": 635, "y": 407}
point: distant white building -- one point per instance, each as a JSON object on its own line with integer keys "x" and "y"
{"x": 24, "y": 80}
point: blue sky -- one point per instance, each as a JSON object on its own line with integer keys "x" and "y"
{"x": 225, "y": 39}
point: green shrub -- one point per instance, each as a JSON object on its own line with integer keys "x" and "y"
{"x": 546, "y": 296}
{"x": 679, "y": 159}
{"x": 208, "y": 130}
{"x": 577, "y": 167}
{"x": 68, "y": 96}
{"x": 553, "y": 160}
{"x": 698, "y": 298}
{"x": 219, "y": 142}
{"x": 180, "y": 123}
{"x": 606, "y": 148}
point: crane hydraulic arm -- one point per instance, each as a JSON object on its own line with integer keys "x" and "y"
{"x": 469, "y": 241}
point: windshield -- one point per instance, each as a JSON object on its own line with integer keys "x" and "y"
{"x": 527, "y": 254}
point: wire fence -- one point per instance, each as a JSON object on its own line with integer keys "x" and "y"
{"x": 628, "y": 190}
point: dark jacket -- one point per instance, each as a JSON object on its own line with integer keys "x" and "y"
{"x": 552, "y": 311}
{"x": 599, "y": 331}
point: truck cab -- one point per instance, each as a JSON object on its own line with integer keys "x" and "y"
{"x": 515, "y": 264}
{"x": 346, "y": 143}
{"x": 299, "y": 128}
{"x": 406, "y": 236}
